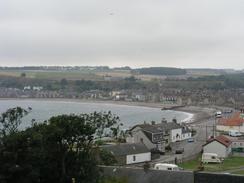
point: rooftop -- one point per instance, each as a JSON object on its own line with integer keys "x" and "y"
{"x": 235, "y": 120}
{"x": 221, "y": 139}
{"x": 126, "y": 149}
{"x": 159, "y": 128}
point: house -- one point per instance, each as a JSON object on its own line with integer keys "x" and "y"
{"x": 126, "y": 154}
{"x": 37, "y": 88}
{"x": 157, "y": 136}
{"x": 220, "y": 145}
{"x": 138, "y": 96}
{"x": 237, "y": 144}
{"x": 186, "y": 133}
{"x": 235, "y": 122}
{"x": 27, "y": 87}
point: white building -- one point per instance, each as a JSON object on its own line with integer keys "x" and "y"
{"x": 220, "y": 145}
{"x": 129, "y": 153}
{"x": 157, "y": 136}
{"x": 27, "y": 88}
{"x": 37, "y": 88}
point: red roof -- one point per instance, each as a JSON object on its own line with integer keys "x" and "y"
{"x": 221, "y": 139}
{"x": 235, "y": 120}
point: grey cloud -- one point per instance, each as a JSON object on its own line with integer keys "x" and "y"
{"x": 191, "y": 33}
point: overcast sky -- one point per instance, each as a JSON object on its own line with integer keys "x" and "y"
{"x": 137, "y": 33}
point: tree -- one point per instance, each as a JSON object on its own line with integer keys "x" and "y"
{"x": 11, "y": 119}
{"x": 107, "y": 158}
{"x": 23, "y": 75}
{"x": 58, "y": 150}
{"x": 63, "y": 83}
{"x": 102, "y": 121}
{"x": 116, "y": 130}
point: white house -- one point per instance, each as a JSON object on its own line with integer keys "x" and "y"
{"x": 37, "y": 88}
{"x": 27, "y": 87}
{"x": 157, "y": 136}
{"x": 186, "y": 133}
{"x": 129, "y": 153}
{"x": 220, "y": 145}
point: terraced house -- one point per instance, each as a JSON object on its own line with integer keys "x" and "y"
{"x": 158, "y": 136}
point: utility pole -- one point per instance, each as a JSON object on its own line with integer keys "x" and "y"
{"x": 206, "y": 133}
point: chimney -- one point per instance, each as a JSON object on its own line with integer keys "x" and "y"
{"x": 174, "y": 120}
{"x": 242, "y": 110}
{"x": 163, "y": 120}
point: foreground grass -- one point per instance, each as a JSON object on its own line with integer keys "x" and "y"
{"x": 228, "y": 164}
{"x": 240, "y": 172}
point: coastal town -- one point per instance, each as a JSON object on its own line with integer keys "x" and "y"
{"x": 209, "y": 140}
{"x": 168, "y": 96}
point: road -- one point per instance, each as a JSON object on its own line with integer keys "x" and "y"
{"x": 204, "y": 129}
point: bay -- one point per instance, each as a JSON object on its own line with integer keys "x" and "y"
{"x": 129, "y": 115}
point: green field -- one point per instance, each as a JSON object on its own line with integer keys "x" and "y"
{"x": 228, "y": 164}
{"x": 54, "y": 75}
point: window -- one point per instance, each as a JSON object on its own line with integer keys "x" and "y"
{"x": 134, "y": 158}
{"x": 141, "y": 140}
{"x": 213, "y": 157}
{"x": 169, "y": 168}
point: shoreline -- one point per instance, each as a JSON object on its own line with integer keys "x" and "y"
{"x": 127, "y": 103}
{"x": 200, "y": 113}
{"x": 195, "y": 113}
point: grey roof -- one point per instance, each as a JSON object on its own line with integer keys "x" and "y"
{"x": 159, "y": 128}
{"x": 185, "y": 129}
{"x": 126, "y": 149}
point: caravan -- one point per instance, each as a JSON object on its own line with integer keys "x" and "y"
{"x": 166, "y": 166}
{"x": 210, "y": 158}
{"x": 234, "y": 133}
{"x": 218, "y": 114}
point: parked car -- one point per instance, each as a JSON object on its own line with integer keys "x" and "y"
{"x": 211, "y": 158}
{"x": 166, "y": 166}
{"x": 218, "y": 114}
{"x": 179, "y": 151}
{"x": 228, "y": 111}
{"x": 190, "y": 140}
{"x": 234, "y": 133}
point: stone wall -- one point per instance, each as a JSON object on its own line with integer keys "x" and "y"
{"x": 217, "y": 178}
{"x": 138, "y": 175}
{"x": 151, "y": 176}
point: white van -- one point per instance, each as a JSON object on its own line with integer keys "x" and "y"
{"x": 234, "y": 133}
{"x": 166, "y": 166}
{"x": 218, "y": 114}
{"x": 210, "y": 158}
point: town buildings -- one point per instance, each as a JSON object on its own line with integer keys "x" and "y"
{"x": 158, "y": 136}
{"x": 234, "y": 122}
{"x": 220, "y": 145}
